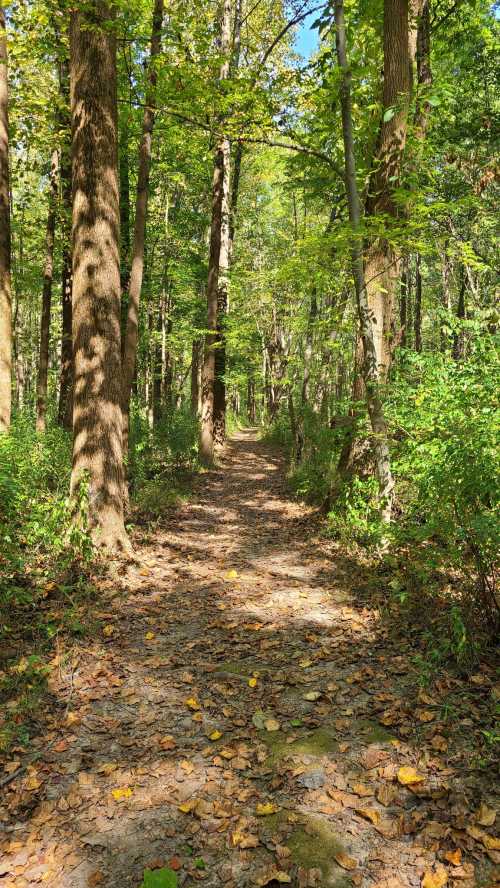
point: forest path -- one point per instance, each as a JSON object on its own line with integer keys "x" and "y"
{"x": 246, "y": 625}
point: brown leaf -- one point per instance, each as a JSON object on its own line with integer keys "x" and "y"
{"x": 486, "y": 816}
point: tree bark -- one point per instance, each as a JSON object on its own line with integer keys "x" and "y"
{"x": 65, "y": 409}
{"x": 381, "y": 261}
{"x": 417, "y": 317}
{"x": 137, "y": 269}
{"x": 97, "y": 420}
{"x": 222, "y": 154}
{"x": 5, "y": 240}
{"x": 196, "y": 348}
{"x": 459, "y": 336}
{"x": 48, "y": 276}
{"x": 370, "y": 362}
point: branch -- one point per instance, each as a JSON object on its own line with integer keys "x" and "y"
{"x": 285, "y": 28}
{"x": 300, "y": 148}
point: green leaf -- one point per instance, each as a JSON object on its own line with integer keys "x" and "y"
{"x": 389, "y": 114}
{"x": 160, "y": 878}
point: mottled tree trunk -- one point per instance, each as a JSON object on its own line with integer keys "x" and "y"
{"x": 65, "y": 409}
{"x": 137, "y": 269}
{"x": 5, "y": 240}
{"x": 371, "y": 365}
{"x": 97, "y": 419}
{"x": 48, "y": 276}
{"x": 417, "y": 316}
{"x": 381, "y": 260}
{"x": 196, "y": 351}
{"x": 206, "y": 448}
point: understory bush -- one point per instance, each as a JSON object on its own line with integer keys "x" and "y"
{"x": 444, "y": 541}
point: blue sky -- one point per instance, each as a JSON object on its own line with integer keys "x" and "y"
{"x": 306, "y": 41}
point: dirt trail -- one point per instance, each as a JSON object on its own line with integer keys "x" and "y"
{"x": 242, "y": 625}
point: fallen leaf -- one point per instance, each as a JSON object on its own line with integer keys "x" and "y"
{"x": 149, "y": 636}
{"x": 252, "y": 682}
{"x": 272, "y": 875}
{"x": 95, "y": 878}
{"x": 345, "y": 861}
{"x": 311, "y": 696}
{"x": 408, "y": 776}
{"x": 272, "y": 725}
{"x": 361, "y": 790}
{"x": 369, "y": 814}
{"x": 119, "y": 794}
{"x": 486, "y": 816}
{"x": 108, "y": 630}
{"x": 263, "y": 809}
{"x": 435, "y": 879}
{"x": 215, "y": 735}
{"x": 168, "y": 743}
{"x": 231, "y": 575}
{"x": 192, "y": 702}
{"x": 454, "y": 857}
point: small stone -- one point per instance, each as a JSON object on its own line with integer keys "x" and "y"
{"x": 313, "y": 779}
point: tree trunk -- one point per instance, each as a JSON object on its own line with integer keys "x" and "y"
{"x": 417, "y": 317}
{"x": 403, "y": 304}
{"x": 65, "y": 410}
{"x": 220, "y": 183}
{"x": 371, "y": 358}
{"x": 48, "y": 276}
{"x": 381, "y": 261}
{"x": 222, "y": 307}
{"x": 5, "y": 240}
{"x": 196, "y": 347}
{"x": 459, "y": 336}
{"x": 97, "y": 420}
{"x": 137, "y": 269}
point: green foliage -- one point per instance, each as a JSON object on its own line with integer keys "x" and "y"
{"x": 159, "y": 878}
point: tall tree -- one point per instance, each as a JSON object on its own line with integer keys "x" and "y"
{"x": 48, "y": 276}
{"x": 97, "y": 417}
{"x": 141, "y": 206}
{"x": 370, "y": 367}
{"x": 219, "y": 222}
{"x": 5, "y": 239}
{"x": 65, "y": 409}
{"x": 382, "y": 264}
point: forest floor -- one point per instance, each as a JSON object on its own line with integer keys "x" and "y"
{"x": 247, "y": 715}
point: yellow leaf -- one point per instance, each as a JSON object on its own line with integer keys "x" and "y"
{"x": 188, "y": 807}
{"x": 119, "y": 794}
{"x": 272, "y": 725}
{"x": 252, "y": 682}
{"x": 361, "y": 790}
{"x": 263, "y": 809}
{"x": 369, "y": 814}
{"x": 312, "y": 696}
{"x": 408, "y": 776}
{"x": 149, "y": 636}
{"x": 436, "y": 879}
{"x": 192, "y": 703}
{"x": 345, "y": 861}
{"x": 231, "y": 575}
{"x": 197, "y": 717}
{"x": 108, "y": 630}
{"x": 304, "y": 664}
{"x": 492, "y": 843}
{"x": 215, "y": 735}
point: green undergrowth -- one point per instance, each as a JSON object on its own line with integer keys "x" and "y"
{"x": 49, "y": 569}
{"x": 439, "y": 558}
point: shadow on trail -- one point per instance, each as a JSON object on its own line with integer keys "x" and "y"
{"x": 246, "y": 627}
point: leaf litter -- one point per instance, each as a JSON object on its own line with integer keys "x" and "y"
{"x": 243, "y": 717}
